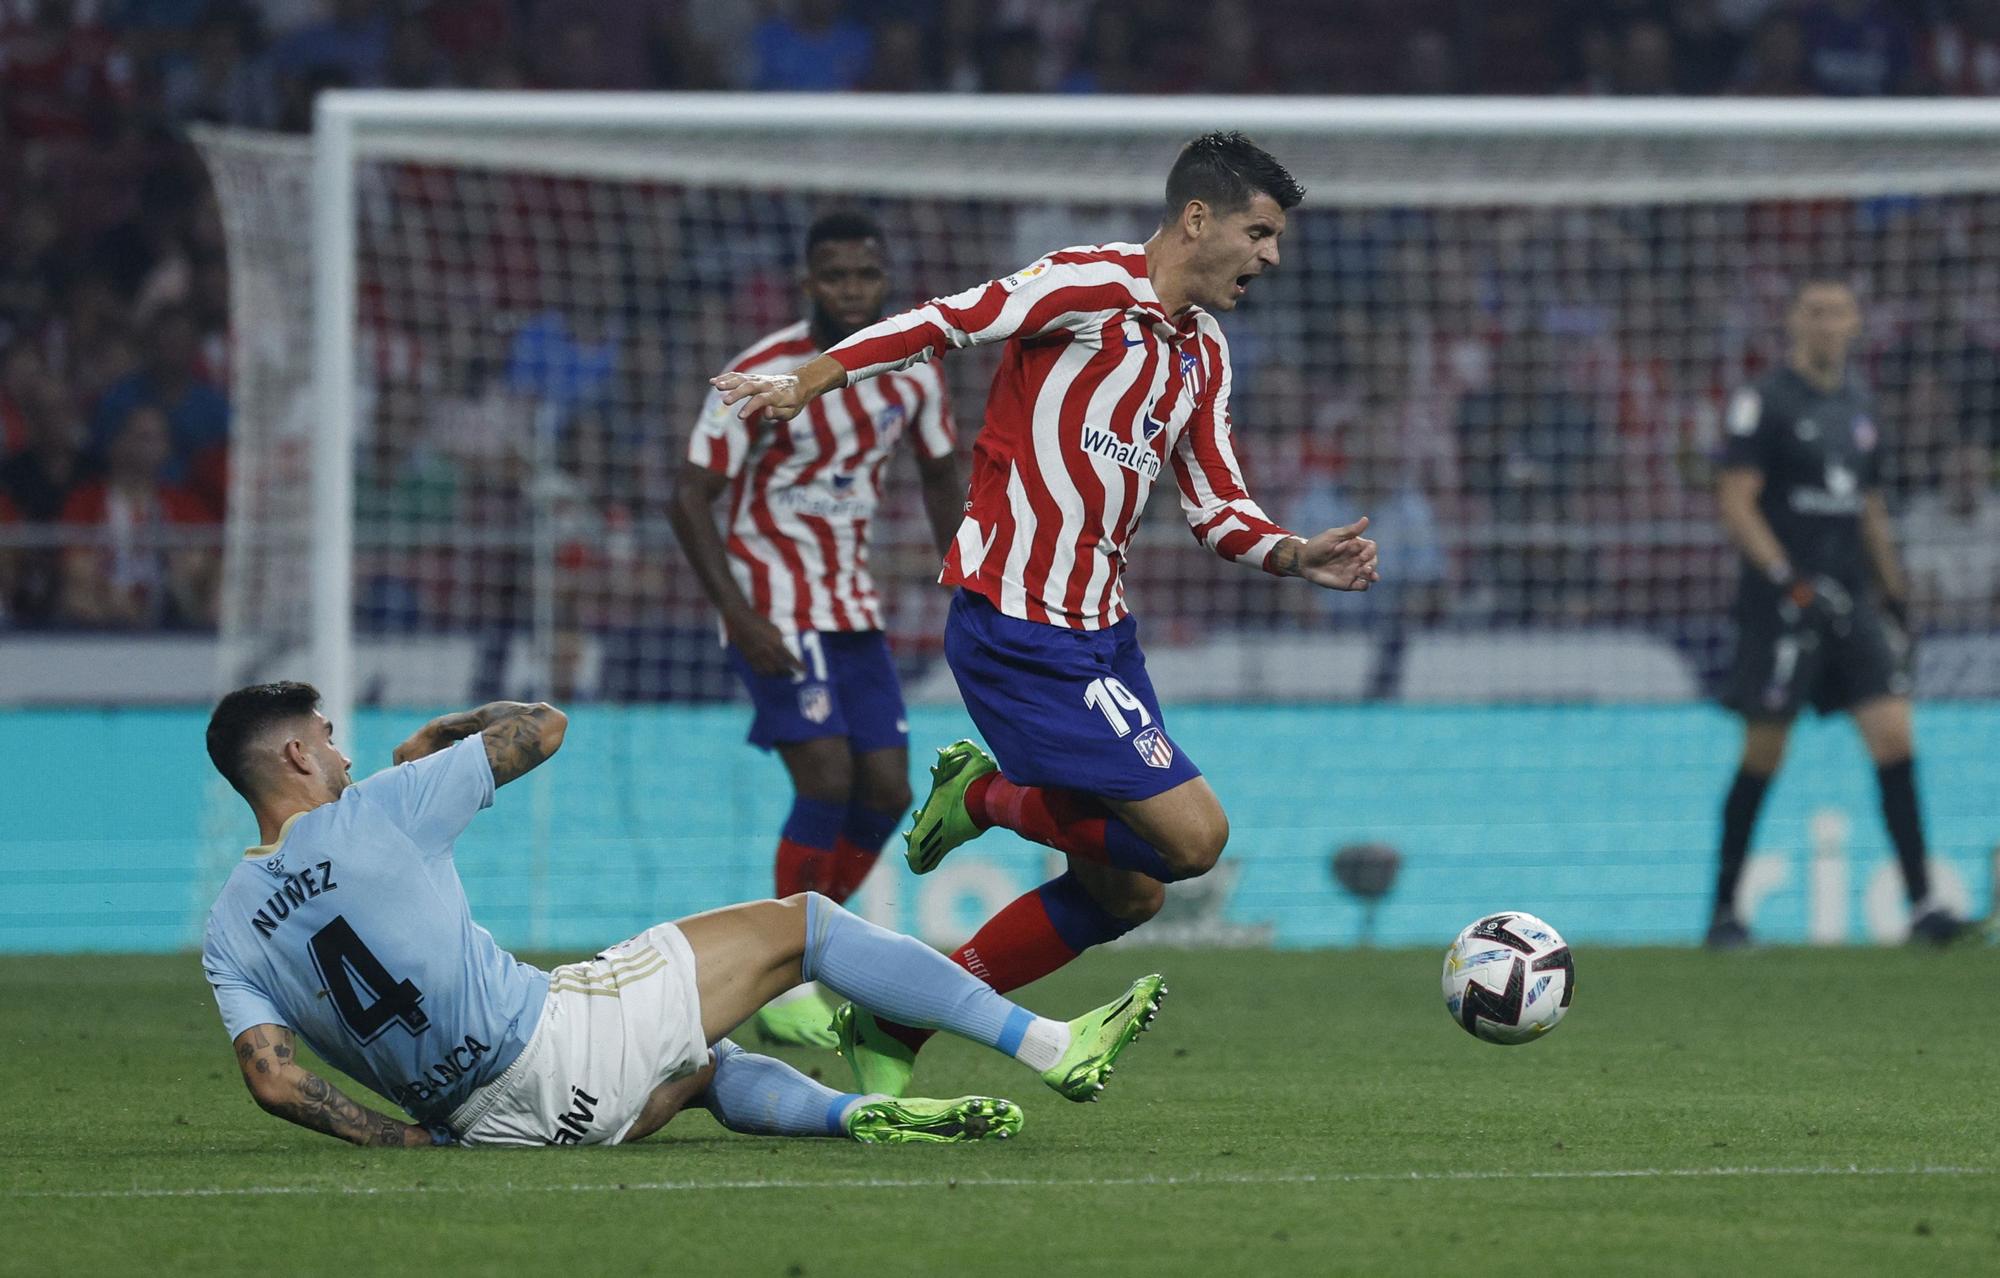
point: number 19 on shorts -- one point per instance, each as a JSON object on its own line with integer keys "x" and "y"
{"x": 1112, "y": 699}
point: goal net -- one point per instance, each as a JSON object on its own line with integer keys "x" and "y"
{"x": 1508, "y": 332}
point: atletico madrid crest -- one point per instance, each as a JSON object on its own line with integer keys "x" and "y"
{"x": 1154, "y": 748}
{"x": 815, "y": 703}
{"x": 1192, "y": 373}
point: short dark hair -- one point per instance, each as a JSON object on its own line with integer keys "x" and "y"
{"x": 244, "y": 714}
{"x": 842, "y": 224}
{"x": 1223, "y": 171}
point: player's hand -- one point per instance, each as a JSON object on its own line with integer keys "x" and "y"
{"x": 778, "y": 394}
{"x": 761, "y": 643}
{"x": 1340, "y": 558}
{"x": 1817, "y": 600}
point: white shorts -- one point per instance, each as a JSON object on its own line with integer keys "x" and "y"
{"x": 613, "y": 1029}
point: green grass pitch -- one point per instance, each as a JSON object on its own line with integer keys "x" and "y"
{"x": 1778, "y": 1112}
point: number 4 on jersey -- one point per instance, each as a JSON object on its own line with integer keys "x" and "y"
{"x": 349, "y": 970}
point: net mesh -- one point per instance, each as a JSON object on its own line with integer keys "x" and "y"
{"x": 1513, "y": 352}
{"x": 263, "y": 187}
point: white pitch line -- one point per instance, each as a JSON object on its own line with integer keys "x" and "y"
{"x": 1194, "y": 1180}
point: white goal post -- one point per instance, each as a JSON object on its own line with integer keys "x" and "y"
{"x": 1353, "y": 154}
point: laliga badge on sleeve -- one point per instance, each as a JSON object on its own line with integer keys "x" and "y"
{"x": 1022, "y": 276}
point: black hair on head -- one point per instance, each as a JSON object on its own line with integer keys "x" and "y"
{"x": 842, "y": 224}
{"x": 243, "y": 715}
{"x": 1224, "y": 171}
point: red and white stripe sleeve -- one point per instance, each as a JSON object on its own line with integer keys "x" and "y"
{"x": 720, "y": 440}
{"x": 935, "y": 433}
{"x": 1063, "y": 290}
{"x": 1218, "y": 509}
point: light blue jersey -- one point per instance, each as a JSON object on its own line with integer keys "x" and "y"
{"x": 353, "y": 932}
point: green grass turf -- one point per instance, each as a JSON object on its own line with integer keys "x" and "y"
{"x": 1265, "y": 1072}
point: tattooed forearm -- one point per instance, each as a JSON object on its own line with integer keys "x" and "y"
{"x": 517, "y": 743}
{"x": 318, "y": 1104}
{"x": 300, "y": 1096}
{"x": 456, "y": 727}
{"x": 1285, "y": 557}
{"x": 519, "y": 735}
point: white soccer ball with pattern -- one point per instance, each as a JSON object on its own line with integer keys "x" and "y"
{"x": 1508, "y": 978}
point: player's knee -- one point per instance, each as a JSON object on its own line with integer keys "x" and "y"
{"x": 885, "y": 794}
{"x": 1887, "y": 728}
{"x": 1888, "y": 749}
{"x": 1195, "y": 849}
{"x": 1764, "y": 746}
{"x": 803, "y": 903}
{"x": 789, "y": 919}
{"x": 834, "y": 786}
{"x": 822, "y": 770}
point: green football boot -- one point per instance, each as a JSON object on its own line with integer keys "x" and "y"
{"x": 798, "y": 1018}
{"x": 882, "y": 1063}
{"x": 1097, "y": 1038}
{"x": 937, "y": 1122}
{"x": 943, "y": 823}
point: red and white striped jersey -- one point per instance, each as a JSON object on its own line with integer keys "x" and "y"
{"x": 803, "y": 491}
{"x": 1099, "y": 390}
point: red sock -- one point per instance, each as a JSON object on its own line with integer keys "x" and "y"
{"x": 851, "y": 864}
{"x": 1018, "y": 946}
{"x": 803, "y": 869}
{"x": 1065, "y": 820}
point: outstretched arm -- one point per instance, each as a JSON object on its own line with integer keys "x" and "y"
{"x": 1338, "y": 559}
{"x": 287, "y": 1089}
{"x": 1222, "y": 516}
{"x": 782, "y": 395}
{"x": 518, "y": 735}
{"x": 1057, "y": 292}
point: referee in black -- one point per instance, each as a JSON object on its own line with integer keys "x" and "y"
{"x": 1822, "y": 611}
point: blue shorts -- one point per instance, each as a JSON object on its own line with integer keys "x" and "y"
{"x": 848, "y": 689}
{"x": 1071, "y": 709}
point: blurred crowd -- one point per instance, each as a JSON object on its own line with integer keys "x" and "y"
{"x": 1485, "y": 422}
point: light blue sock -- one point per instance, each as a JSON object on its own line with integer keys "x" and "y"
{"x": 760, "y": 1096}
{"x": 907, "y": 981}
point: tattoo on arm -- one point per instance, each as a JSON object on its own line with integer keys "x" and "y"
{"x": 518, "y": 735}
{"x": 1286, "y": 557}
{"x": 519, "y": 741}
{"x": 457, "y": 727}
{"x": 464, "y": 723}
{"x": 321, "y": 1106}
{"x": 303, "y": 1097}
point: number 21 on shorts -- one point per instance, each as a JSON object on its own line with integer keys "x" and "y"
{"x": 1107, "y": 696}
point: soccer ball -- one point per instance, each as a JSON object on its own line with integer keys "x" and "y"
{"x": 1508, "y": 978}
